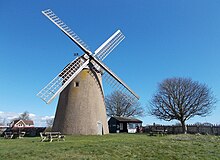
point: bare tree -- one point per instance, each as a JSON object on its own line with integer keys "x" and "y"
{"x": 117, "y": 105}
{"x": 2, "y": 121}
{"x": 181, "y": 99}
{"x": 49, "y": 122}
{"x": 24, "y": 116}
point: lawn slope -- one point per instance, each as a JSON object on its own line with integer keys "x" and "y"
{"x": 114, "y": 146}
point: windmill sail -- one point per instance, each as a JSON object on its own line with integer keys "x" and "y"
{"x": 71, "y": 34}
{"x": 57, "y": 85}
{"x": 103, "y": 51}
{"x": 117, "y": 86}
{"x": 115, "y": 78}
{"x": 109, "y": 45}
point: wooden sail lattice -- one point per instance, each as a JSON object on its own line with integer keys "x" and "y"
{"x": 52, "y": 89}
{"x": 57, "y": 85}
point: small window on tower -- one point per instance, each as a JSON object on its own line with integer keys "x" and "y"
{"x": 76, "y": 84}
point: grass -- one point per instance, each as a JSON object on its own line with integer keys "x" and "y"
{"x": 114, "y": 146}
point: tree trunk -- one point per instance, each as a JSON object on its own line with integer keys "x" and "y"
{"x": 184, "y": 127}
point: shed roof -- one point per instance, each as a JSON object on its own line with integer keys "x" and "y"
{"x": 127, "y": 119}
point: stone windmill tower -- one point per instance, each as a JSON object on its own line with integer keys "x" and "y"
{"x": 81, "y": 106}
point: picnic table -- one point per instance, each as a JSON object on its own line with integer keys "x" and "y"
{"x": 20, "y": 134}
{"x": 50, "y": 136}
{"x": 10, "y": 135}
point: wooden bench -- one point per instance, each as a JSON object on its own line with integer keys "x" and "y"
{"x": 50, "y": 136}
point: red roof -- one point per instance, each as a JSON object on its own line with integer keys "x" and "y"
{"x": 26, "y": 122}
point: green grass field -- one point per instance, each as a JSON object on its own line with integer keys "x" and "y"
{"x": 114, "y": 146}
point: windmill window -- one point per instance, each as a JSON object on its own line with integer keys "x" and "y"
{"x": 76, "y": 84}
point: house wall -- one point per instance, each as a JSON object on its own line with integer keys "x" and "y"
{"x": 19, "y": 124}
{"x": 125, "y": 128}
{"x": 115, "y": 125}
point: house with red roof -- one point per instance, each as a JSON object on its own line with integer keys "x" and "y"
{"x": 22, "y": 123}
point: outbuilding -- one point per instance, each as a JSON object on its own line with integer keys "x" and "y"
{"x": 124, "y": 124}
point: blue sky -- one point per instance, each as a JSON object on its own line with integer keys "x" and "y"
{"x": 164, "y": 38}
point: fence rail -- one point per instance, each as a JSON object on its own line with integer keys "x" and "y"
{"x": 192, "y": 129}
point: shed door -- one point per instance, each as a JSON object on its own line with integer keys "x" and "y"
{"x": 121, "y": 126}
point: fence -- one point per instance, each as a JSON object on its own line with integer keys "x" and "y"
{"x": 192, "y": 129}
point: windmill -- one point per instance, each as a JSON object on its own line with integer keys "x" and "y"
{"x": 81, "y": 106}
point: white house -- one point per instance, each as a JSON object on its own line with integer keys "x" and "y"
{"x": 22, "y": 124}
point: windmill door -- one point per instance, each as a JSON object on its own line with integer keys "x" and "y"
{"x": 99, "y": 125}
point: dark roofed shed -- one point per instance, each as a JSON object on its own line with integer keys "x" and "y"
{"x": 123, "y": 124}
